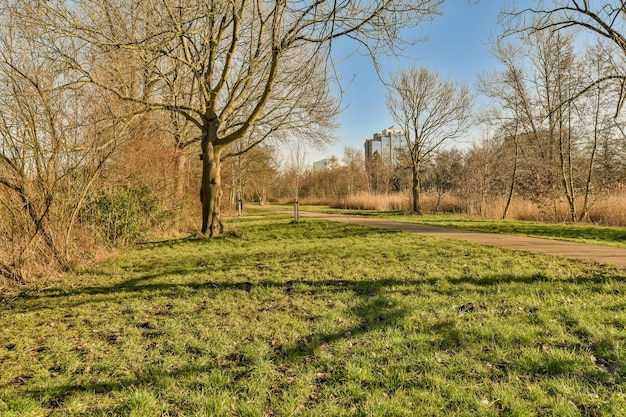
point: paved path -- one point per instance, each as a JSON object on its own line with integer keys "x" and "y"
{"x": 597, "y": 253}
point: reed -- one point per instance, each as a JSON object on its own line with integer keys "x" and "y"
{"x": 609, "y": 210}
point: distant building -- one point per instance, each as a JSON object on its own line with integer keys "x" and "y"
{"x": 389, "y": 145}
{"x": 326, "y": 164}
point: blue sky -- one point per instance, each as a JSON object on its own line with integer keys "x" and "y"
{"x": 458, "y": 47}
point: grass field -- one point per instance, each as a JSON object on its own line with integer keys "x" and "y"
{"x": 317, "y": 319}
{"x": 587, "y": 233}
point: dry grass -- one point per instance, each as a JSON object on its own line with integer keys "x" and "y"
{"x": 608, "y": 211}
{"x": 371, "y": 201}
{"x": 395, "y": 202}
{"x": 361, "y": 201}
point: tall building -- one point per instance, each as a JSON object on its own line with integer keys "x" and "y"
{"x": 389, "y": 145}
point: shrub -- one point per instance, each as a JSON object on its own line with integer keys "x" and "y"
{"x": 124, "y": 215}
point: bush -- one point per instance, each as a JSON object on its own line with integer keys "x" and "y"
{"x": 124, "y": 215}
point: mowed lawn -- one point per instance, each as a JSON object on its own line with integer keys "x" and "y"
{"x": 318, "y": 319}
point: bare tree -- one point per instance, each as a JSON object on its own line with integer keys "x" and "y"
{"x": 606, "y": 19}
{"x": 510, "y": 95}
{"x": 242, "y": 68}
{"x": 55, "y": 136}
{"x": 479, "y": 179}
{"x": 296, "y": 163}
{"x": 432, "y": 112}
{"x": 356, "y": 177}
{"x": 599, "y": 132}
{"x": 554, "y": 115}
{"x": 534, "y": 94}
{"x": 250, "y": 174}
{"x": 445, "y": 172}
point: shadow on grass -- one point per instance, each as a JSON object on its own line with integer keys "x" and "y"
{"x": 147, "y": 275}
{"x": 149, "y": 282}
{"x": 373, "y": 310}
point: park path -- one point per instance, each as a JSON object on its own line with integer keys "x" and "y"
{"x": 586, "y": 251}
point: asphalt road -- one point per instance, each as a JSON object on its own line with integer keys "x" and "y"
{"x": 586, "y": 251}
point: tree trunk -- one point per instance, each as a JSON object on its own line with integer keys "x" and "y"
{"x": 211, "y": 191}
{"x": 588, "y": 181}
{"x": 440, "y": 192}
{"x": 416, "y": 189}
{"x": 179, "y": 175}
{"x": 566, "y": 177}
{"x": 511, "y": 190}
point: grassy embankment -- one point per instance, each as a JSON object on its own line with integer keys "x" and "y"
{"x": 318, "y": 319}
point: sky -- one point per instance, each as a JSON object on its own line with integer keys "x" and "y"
{"x": 458, "y": 48}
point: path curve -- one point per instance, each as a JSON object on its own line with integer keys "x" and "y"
{"x": 586, "y": 251}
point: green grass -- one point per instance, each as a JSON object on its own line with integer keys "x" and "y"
{"x": 318, "y": 319}
{"x": 609, "y": 236}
